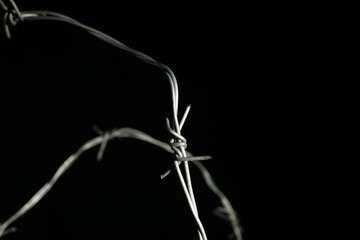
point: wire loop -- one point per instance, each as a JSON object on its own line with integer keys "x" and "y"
{"x": 11, "y": 17}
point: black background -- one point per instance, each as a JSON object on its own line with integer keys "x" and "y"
{"x": 249, "y": 112}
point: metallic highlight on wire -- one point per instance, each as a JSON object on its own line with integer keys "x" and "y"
{"x": 227, "y": 211}
{"x": 177, "y": 144}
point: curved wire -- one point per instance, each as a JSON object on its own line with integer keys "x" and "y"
{"x": 99, "y": 140}
{"x": 178, "y": 142}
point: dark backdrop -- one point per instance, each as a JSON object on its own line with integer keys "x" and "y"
{"x": 57, "y": 82}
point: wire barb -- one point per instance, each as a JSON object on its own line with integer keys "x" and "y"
{"x": 105, "y": 138}
{"x": 181, "y": 142}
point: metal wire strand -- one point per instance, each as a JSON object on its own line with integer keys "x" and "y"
{"x": 227, "y": 209}
{"x": 178, "y": 144}
{"x": 12, "y": 16}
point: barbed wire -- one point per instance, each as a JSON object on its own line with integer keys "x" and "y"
{"x": 177, "y": 144}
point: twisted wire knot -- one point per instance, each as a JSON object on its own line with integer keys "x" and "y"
{"x": 11, "y": 17}
{"x": 178, "y": 144}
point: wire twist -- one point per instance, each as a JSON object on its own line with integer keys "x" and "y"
{"x": 179, "y": 143}
{"x": 11, "y": 17}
